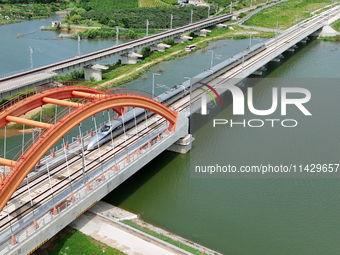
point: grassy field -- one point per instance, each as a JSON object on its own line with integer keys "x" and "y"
{"x": 331, "y": 38}
{"x": 162, "y": 237}
{"x": 151, "y": 3}
{"x": 73, "y": 242}
{"x": 113, "y": 4}
{"x": 286, "y": 14}
{"x": 170, "y": 1}
{"x": 336, "y": 25}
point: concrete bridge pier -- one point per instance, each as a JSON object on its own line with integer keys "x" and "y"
{"x": 278, "y": 58}
{"x": 159, "y": 47}
{"x": 221, "y": 25}
{"x": 292, "y": 49}
{"x": 94, "y": 71}
{"x": 182, "y": 39}
{"x": 202, "y": 32}
{"x": 260, "y": 71}
{"x": 130, "y": 58}
{"x": 304, "y": 40}
{"x": 182, "y": 145}
{"x": 326, "y": 31}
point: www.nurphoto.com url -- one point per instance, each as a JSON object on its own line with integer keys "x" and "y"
{"x": 268, "y": 168}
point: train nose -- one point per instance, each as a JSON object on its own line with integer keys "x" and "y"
{"x": 93, "y": 143}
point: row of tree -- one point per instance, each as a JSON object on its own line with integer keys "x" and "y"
{"x": 31, "y": 1}
{"x": 157, "y": 17}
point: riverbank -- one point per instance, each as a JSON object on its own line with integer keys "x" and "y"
{"x": 13, "y": 132}
{"x": 109, "y": 216}
{"x": 8, "y": 22}
{"x": 118, "y": 74}
{"x": 11, "y": 11}
{"x": 330, "y": 38}
{"x": 73, "y": 242}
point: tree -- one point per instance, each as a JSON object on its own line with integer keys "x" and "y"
{"x": 53, "y": 8}
{"x": 112, "y": 23}
{"x": 132, "y": 34}
{"x": 75, "y": 19}
{"x": 93, "y": 33}
{"x": 126, "y": 22}
{"x": 104, "y": 20}
{"x": 77, "y": 11}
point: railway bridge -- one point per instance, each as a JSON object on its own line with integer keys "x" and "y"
{"x": 15, "y": 83}
{"x": 42, "y": 190}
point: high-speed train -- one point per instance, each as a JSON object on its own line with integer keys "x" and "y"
{"x": 116, "y": 128}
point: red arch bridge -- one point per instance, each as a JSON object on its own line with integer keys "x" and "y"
{"x": 40, "y": 184}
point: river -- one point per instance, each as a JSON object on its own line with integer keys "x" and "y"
{"x": 47, "y": 46}
{"x": 240, "y": 216}
{"x": 250, "y": 216}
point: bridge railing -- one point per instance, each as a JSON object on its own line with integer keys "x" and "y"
{"x": 39, "y": 134}
{"x": 19, "y": 157}
{"x": 137, "y": 92}
{"x": 82, "y": 193}
{"x": 15, "y": 100}
{"x": 27, "y": 94}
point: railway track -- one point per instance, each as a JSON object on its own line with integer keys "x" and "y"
{"x": 181, "y": 106}
{"x": 127, "y": 45}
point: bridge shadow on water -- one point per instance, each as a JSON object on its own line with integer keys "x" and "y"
{"x": 301, "y": 49}
{"x": 131, "y": 185}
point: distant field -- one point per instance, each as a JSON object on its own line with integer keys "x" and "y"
{"x": 113, "y": 4}
{"x": 221, "y": 3}
{"x": 170, "y": 1}
{"x": 151, "y": 3}
{"x": 286, "y": 14}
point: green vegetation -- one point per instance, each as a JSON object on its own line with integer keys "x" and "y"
{"x": 73, "y": 242}
{"x": 173, "y": 2}
{"x": 108, "y": 32}
{"x": 47, "y": 114}
{"x": 336, "y": 25}
{"x": 30, "y": 1}
{"x": 162, "y": 237}
{"x": 151, "y": 3}
{"x": 13, "y": 9}
{"x": 102, "y": 33}
{"x": 331, "y": 38}
{"x": 21, "y": 95}
{"x": 177, "y": 50}
{"x": 107, "y": 5}
{"x": 9, "y": 21}
{"x": 72, "y": 76}
{"x": 221, "y": 3}
{"x": 286, "y": 14}
{"x": 241, "y": 3}
{"x": 158, "y": 17}
{"x": 242, "y": 15}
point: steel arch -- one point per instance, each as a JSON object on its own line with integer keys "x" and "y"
{"x": 35, "y": 101}
{"x": 105, "y": 102}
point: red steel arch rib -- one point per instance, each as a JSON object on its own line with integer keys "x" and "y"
{"x": 52, "y": 96}
{"x": 31, "y": 157}
{"x": 37, "y": 100}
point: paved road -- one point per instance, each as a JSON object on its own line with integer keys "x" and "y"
{"x": 261, "y": 28}
{"x": 104, "y": 232}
